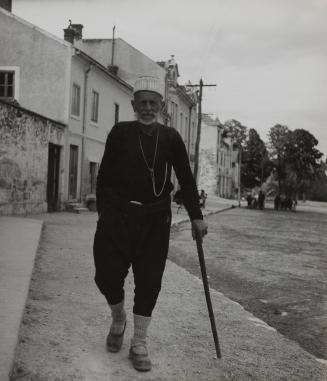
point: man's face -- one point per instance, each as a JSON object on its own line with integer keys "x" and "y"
{"x": 147, "y": 106}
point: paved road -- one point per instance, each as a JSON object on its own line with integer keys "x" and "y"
{"x": 273, "y": 263}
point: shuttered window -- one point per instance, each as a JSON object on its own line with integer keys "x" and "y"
{"x": 76, "y": 100}
{"x": 95, "y": 106}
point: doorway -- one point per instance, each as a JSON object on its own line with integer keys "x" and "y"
{"x": 53, "y": 177}
{"x": 73, "y": 166}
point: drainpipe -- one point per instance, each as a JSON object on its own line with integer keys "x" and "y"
{"x": 86, "y": 74}
{"x": 166, "y": 116}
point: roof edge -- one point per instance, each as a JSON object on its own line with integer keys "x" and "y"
{"x": 80, "y": 52}
{"x": 34, "y": 27}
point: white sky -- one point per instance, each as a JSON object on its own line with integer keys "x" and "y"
{"x": 267, "y": 57}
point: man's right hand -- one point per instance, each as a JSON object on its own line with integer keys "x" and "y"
{"x": 199, "y": 229}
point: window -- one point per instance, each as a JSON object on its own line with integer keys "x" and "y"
{"x": 95, "y": 106}
{"x": 7, "y": 84}
{"x": 93, "y": 176}
{"x": 76, "y": 100}
{"x": 116, "y": 113}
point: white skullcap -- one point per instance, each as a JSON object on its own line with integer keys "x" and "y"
{"x": 149, "y": 83}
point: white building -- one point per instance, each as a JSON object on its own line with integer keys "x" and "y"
{"x": 218, "y": 166}
{"x": 51, "y": 77}
{"x": 87, "y": 86}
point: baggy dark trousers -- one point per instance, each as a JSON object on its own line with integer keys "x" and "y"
{"x": 132, "y": 235}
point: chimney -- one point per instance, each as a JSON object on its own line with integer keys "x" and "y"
{"x": 78, "y": 30}
{"x": 73, "y": 32}
{"x": 69, "y": 35}
{"x": 113, "y": 69}
{"x": 6, "y": 4}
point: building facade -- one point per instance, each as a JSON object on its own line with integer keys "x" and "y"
{"x": 51, "y": 77}
{"x": 218, "y": 159}
{"x": 87, "y": 86}
{"x": 98, "y": 100}
{"x": 128, "y": 63}
{"x": 181, "y": 110}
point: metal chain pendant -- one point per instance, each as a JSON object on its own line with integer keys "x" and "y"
{"x": 151, "y": 169}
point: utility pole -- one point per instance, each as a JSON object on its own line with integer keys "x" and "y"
{"x": 113, "y": 46}
{"x": 239, "y": 175}
{"x": 198, "y": 135}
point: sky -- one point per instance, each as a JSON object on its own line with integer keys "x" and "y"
{"x": 268, "y": 58}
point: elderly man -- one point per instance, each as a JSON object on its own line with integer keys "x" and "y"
{"x": 133, "y": 202}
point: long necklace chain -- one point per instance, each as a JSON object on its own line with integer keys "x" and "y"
{"x": 151, "y": 169}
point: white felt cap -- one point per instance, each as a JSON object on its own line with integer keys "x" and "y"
{"x": 149, "y": 83}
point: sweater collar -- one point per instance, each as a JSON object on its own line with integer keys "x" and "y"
{"x": 148, "y": 130}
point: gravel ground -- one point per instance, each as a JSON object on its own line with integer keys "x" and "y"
{"x": 66, "y": 320}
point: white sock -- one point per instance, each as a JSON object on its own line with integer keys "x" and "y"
{"x": 141, "y": 324}
{"x": 118, "y": 315}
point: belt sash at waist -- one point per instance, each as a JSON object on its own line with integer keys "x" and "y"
{"x": 120, "y": 205}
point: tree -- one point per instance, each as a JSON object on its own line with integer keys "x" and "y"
{"x": 318, "y": 188}
{"x": 295, "y": 158}
{"x": 302, "y": 158}
{"x": 278, "y": 137}
{"x": 234, "y": 129}
{"x": 255, "y": 162}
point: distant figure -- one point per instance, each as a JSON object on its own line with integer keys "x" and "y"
{"x": 249, "y": 200}
{"x": 294, "y": 205}
{"x": 203, "y": 196}
{"x": 261, "y": 199}
{"x": 286, "y": 203}
{"x": 282, "y": 203}
{"x": 277, "y": 202}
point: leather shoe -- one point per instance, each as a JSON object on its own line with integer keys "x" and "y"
{"x": 140, "y": 358}
{"x": 115, "y": 341}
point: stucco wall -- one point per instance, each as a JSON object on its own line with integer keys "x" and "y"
{"x": 95, "y": 134}
{"x": 44, "y": 65}
{"x": 207, "y": 171}
{"x": 110, "y": 92}
{"x": 208, "y": 166}
{"x": 24, "y": 140}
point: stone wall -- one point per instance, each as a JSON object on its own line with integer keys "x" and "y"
{"x": 24, "y": 142}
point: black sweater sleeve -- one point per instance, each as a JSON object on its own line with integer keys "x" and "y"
{"x": 107, "y": 159}
{"x": 185, "y": 178}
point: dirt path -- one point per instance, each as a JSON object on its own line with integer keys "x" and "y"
{"x": 66, "y": 321}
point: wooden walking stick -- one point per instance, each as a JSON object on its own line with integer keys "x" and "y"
{"x": 207, "y": 294}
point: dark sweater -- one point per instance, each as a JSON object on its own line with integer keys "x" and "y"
{"x": 124, "y": 171}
